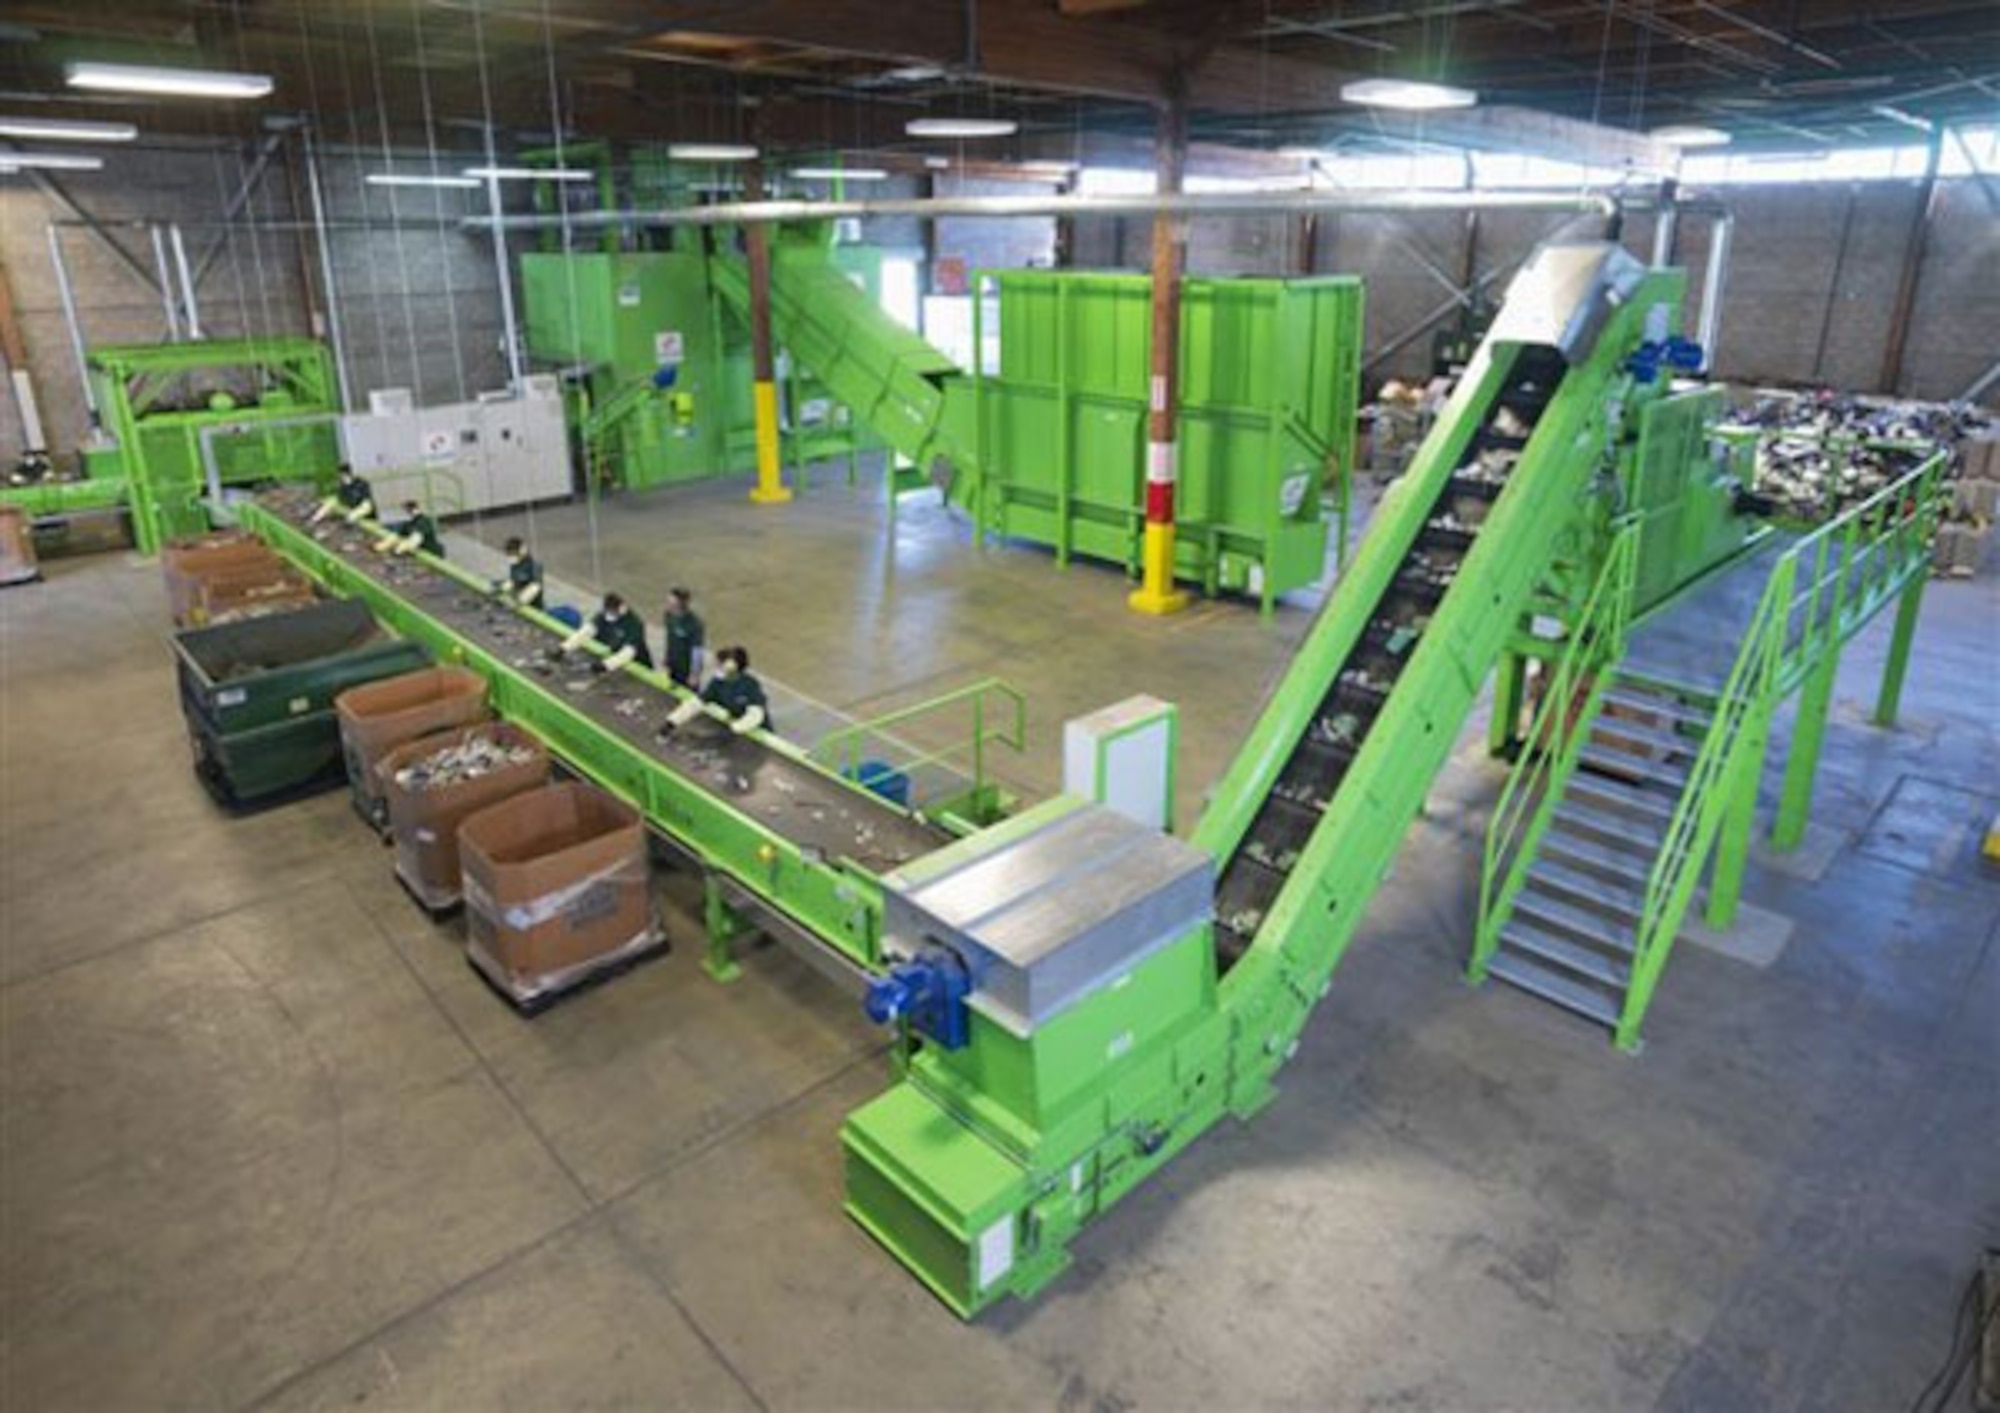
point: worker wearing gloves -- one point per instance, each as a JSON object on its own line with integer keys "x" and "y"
{"x": 524, "y": 575}
{"x": 353, "y": 497}
{"x": 617, "y": 628}
{"x": 416, "y": 532}
{"x": 687, "y": 639}
{"x": 739, "y": 695}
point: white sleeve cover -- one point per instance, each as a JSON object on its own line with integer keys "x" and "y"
{"x": 748, "y": 722}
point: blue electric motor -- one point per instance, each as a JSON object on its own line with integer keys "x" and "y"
{"x": 927, "y": 993}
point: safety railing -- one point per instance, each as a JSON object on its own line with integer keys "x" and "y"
{"x": 1848, "y": 568}
{"x": 1727, "y": 764}
{"x": 1556, "y": 735}
{"x": 1821, "y": 591}
{"x": 949, "y": 780}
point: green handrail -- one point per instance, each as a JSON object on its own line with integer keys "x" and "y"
{"x": 841, "y": 750}
{"x": 1555, "y": 741}
{"x": 1851, "y": 565}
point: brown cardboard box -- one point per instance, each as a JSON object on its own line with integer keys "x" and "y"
{"x": 425, "y": 822}
{"x": 557, "y": 886}
{"x": 186, "y": 565}
{"x": 377, "y": 717}
{"x": 1979, "y": 458}
{"x": 17, "y": 547}
{"x": 248, "y": 592}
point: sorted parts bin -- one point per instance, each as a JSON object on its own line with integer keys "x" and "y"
{"x": 258, "y": 695}
{"x": 424, "y": 816}
{"x": 378, "y": 717}
{"x": 186, "y": 563}
{"x": 17, "y": 547}
{"x": 252, "y": 592}
{"x": 557, "y": 890}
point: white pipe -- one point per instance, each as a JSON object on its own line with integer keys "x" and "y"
{"x": 332, "y": 300}
{"x": 1198, "y": 204}
{"x": 166, "y": 279}
{"x": 188, "y": 301}
{"x": 31, "y": 415}
{"x": 67, "y": 294}
{"x": 1710, "y": 326}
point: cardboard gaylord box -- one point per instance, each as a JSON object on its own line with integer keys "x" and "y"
{"x": 424, "y": 818}
{"x": 558, "y": 886}
{"x": 185, "y": 563}
{"x": 377, "y": 717}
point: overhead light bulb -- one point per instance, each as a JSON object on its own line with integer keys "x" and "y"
{"x": 50, "y": 161}
{"x": 1409, "y": 95}
{"x": 1690, "y": 135}
{"x": 835, "y": 174}
{"x": 528, "y": 174}
{"x": 961, "y": 127}
{"x": 711, "y": 151}
{"x": 169, "y": 83}
{"x": 66, "y": 130}
{"x": 419, "y": 179}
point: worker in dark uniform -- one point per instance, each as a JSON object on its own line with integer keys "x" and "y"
{"x": 416, "y": 531}
{"x": 353, "y": 497}
{"x": 524, "y": 575}
{"x": 739, "y": 695}
{"x": 618, "y": 629}
{"x": 687, "y": 639}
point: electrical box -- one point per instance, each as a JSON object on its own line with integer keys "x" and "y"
{"x": 1123, "y": 756}
{"x": 499, "y": 450}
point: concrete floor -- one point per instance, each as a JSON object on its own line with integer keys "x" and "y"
{"x": 266, "y": 1142}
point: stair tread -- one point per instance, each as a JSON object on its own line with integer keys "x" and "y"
{"x": 1590, "y": 926}
{"x": 1626, "y": 729}
{"x": 1622, "y": 862}
{"x": 1622, "y": 793}
{"x": 1560, "y": 951}
{"x": 1641, "y": 696}
{"x": 1537, "y": 979}
{"x": 1553, "y": 877}
{"x": 1618, "y": 762}
{"x": 1574, "y": 812}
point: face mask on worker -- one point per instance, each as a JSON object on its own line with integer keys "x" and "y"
{"x": 729, "y": 667}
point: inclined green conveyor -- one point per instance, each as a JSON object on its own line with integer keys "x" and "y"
{"x": 978, "y": 1166}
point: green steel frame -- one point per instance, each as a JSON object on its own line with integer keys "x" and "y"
{"x": 286, "y": 434}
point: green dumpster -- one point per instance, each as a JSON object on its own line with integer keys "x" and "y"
{"x": 258, "y": 695}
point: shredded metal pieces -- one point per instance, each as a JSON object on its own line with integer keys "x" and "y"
{"x": 454, "y": 765}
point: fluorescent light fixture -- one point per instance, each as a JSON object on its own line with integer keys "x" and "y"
{"x": 961, "y": 127}
{"x": 938, "y": 164}
{"x": 1049, "y": 169}
{"x": 171, "y": 83}
{"x": 711, "y": 151}
{"x": 528, "y": 174}
{"x": 915, "y": 73}
{"x": 1690, "y": 135}
{"x": 50, "y": 161}
{"x": 65, "y": 130}
{"x": 1407, "y": 94}
{"x": 838, "y": 174}
{"x": 418, "y": 179}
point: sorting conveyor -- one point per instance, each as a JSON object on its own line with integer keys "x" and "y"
{"x": 802, "y": 839}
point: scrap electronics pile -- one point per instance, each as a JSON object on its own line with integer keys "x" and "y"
{"x": 1819, "y": 453}
{"x": 281, "y": 690}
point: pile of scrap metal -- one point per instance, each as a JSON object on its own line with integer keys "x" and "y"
{"x": 1820, "y": 452}
{"x": 467, "y": 760}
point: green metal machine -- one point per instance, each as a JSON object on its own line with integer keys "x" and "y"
{"x": 254, "y": 410}
{"x": 1079, "y": 996}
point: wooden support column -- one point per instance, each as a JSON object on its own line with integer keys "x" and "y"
{"x": 1913, "y": 265}
{"x": 1156, "y": 592}
{"x": 770, "y": 488}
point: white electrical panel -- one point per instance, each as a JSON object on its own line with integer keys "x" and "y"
{"x": 501, "y": 450}
{"x": 1123, "y": 756}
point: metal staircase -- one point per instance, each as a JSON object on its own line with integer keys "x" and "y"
{"x": 1571, "y": 931}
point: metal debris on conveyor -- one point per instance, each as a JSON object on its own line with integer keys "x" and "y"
{"x": 1821, "y": 452}
{"x": 454, "y": 765}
